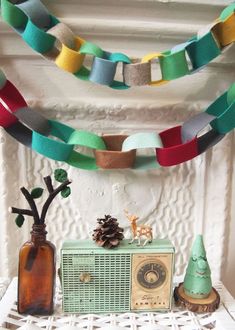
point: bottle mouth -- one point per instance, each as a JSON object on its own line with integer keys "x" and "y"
{"x": 39, "y": 229}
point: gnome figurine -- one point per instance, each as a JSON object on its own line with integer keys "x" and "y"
{"x": 196, "y": 292}
{"x": 197, "y": 280}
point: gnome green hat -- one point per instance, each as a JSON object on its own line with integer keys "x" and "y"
{"x": 197, "y": 281}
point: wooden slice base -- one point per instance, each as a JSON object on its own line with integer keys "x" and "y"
{"x": 205, "y": 305}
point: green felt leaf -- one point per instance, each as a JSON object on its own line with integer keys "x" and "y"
{"x": 66, "y": 192}
{"x": 19, "y": 220}
{"x": 60, "y": 175}
{"x": 37, "y": 193}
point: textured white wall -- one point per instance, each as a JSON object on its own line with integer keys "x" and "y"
{"x": 179, "y": 202}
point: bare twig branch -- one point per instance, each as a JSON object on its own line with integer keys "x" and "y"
{"x": 50, "y": 199}
{"x": 21, "y": 211}
{"x": 48, "y": 183}
{"x": 32, "y": 204}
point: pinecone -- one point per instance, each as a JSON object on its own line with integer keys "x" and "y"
{"x": 108, "y": 234}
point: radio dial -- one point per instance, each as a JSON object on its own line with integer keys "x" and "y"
{"x": 151, "y": 275}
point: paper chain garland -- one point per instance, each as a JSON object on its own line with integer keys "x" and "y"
{"x": 54, "y": 40}
{"x": 45, "y": 34}
{"x": 173, "y": 146}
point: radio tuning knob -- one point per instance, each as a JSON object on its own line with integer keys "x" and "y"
{"x": 85, "y": 277}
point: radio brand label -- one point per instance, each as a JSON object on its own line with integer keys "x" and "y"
{"x": 80, "y": 260}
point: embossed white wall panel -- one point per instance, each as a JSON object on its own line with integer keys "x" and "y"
{"x": 178, "y": 202}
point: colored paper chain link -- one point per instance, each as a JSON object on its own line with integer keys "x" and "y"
{"x": 172, "y": 146}
{"x": 54, "y": 40}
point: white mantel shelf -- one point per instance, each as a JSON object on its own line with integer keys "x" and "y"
{"x": 222, "y": 319}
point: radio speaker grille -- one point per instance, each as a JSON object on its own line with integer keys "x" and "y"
{"x": 108, "y": 288}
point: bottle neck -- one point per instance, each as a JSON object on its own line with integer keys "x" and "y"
{"x": 38, "y": 232}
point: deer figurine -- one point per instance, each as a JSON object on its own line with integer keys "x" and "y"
{"x": 139, "y": 231}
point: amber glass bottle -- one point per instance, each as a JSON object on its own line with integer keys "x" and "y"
{"x": 36, "y": 274}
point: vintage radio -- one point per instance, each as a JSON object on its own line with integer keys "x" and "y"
{"x": 128, "y": 278}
